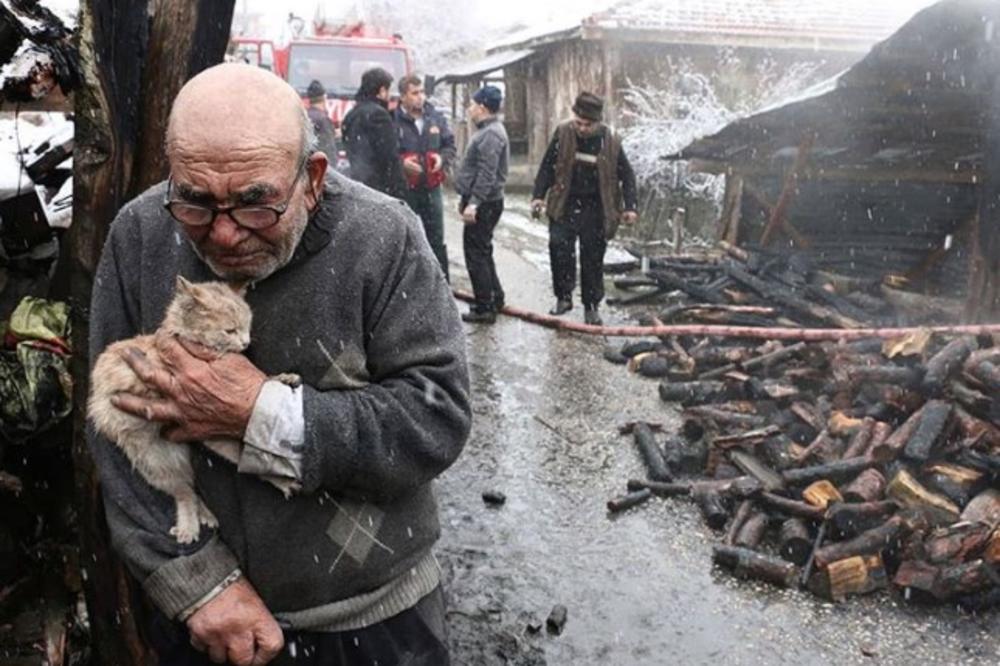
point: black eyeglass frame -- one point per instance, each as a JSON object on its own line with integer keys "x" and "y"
{"x": 277, "y": 209}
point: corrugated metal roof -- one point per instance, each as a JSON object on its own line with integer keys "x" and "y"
{"x": 486, "y": 65}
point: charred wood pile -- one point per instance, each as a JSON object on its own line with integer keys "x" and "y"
{"x": 843, "y": 468}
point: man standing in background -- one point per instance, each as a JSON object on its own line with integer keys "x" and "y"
{"x": 480, "y": 182}
{"x": 370, "y": 137}
{"x": 320, "y": 118}
{"x": 591, "y": 188}
{"x": 427, "y": 149}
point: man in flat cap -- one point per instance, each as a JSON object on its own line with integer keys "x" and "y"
{"x": 587, "y": 187}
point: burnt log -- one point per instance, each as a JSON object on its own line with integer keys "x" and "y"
{"x": 656, "y": 466}
{"x": 660, "y": 489}
{"x": 751, "y": 533}
{"x": 701, "y": 392}
{"x": 723, "y": 417}
{"x": 976, "y": 429}
{"x": 820, "y": 448}
{"x": 981, "y": 461}
{"x": 838, "y": 470}
{"x": 848, "y": 520}
{"x": 916, "y": 575}
{"x": 633, "y": 499}
{"x": 867, "y": 543}
{"x": 890, "y": 449}
{"x": 794, "y": 543}
{"x": 743, "y": 512}
{"x": 941, "y": 366}
{"x": 869, "y": 486}
{"x": 971, "y": 399}
{"x": 761, "y": 362}
{"x": 932, "y": 424}
{"x": 712, "y": 507}
{"x": 749, "y": 464}
{"x": 685, "y": 457}
{"x": 988, "y": 374}
{"x": 964, "y": 579}
{"x": 885, "y": 374}
{"x": 746, "y": 563}
{"x": 784, "y": 297}
{"x": 745, "y": 438}
{"x": 792, "y": 508}
{"x": 957, "y": 543}
{"x": 861, "y": 440}
{"x": 984, "y": 508}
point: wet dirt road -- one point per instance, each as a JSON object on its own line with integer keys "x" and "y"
{"x": 639, "y": 588}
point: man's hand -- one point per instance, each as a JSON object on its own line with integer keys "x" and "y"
{"x": 469, "y": 214}
{"x": 202, "y": 397}
{"x": 629, "y": 217}
{"x": 236, "y": 628}
{"x": 537, "y": 206}
{"x": 437, "y": 162}
{"x": 412, "y": 166}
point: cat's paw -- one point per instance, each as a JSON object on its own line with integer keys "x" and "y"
{"x": 185, "y": 532}
{"x": 288, "y": 487}
{"x": 289, "y": 379}
{"x": 206, "y": 517}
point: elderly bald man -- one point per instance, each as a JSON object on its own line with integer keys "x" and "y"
{"x": 345, "y": 292}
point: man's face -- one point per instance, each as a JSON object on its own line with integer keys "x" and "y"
{"x": 260, "y": 176}
{"x": 383, "y": 94}
{"x": 585, "y": 127}
{"x": 477, "y": 112}
{"x": 413, "y": 99}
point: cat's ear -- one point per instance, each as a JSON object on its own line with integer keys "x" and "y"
{"x": 239, "y": 288}
{"x": 183, "y": 285}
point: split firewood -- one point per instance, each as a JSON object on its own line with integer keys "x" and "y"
{"x": 869, "y": 486}
{"x": 656, "y": 467}
{"x": 794, "y": 542}
{"x": 957, "y": 543}
{"x": 962, "y": 579}
{"x": 821, "y": 494}
{"x": 948, "y": 360}
{"x": 908, "y": 492}
{"x": 916, "y": 575}
{"x": 984, "y": 508}
{"x": 959, "y": 484}
{"x": 746, "y": 563}
{"x": 861, "y": 574}
{"x": 932, "y": 425}
{"x": 840, "y": 424}
{"x": 848, "y": 520}
{"x": 837, "y": 471}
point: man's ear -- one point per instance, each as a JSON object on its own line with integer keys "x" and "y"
{"x": 317, "y": 165}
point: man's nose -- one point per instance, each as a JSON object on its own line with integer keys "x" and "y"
{"x": 226, "y": 232}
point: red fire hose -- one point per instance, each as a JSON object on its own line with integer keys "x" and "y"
{"x": 776, "y": 333}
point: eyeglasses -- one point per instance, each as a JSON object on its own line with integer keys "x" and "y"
{"x": 251, "y": 217}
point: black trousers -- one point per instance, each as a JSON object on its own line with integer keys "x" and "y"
{"x": 477, "y": 244}
{"x": 429, "y": 206}
{"x": 583, "y": 220}
{"x": 415, "y": 637}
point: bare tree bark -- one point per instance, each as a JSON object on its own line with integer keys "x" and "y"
{"x": 129, "y": 83}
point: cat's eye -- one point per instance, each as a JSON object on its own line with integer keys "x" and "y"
{"x": 231, "y": 331}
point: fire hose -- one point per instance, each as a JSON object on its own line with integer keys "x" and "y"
{"x": 763, "y": 333}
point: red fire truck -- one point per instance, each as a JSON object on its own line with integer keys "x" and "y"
{"x": 336, "y": 56}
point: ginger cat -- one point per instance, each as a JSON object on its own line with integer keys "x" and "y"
{"x": 211, "y": 314}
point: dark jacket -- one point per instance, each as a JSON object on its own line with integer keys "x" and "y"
{"x": 363, "y": 313}
{"x": 436, "y": 137}
{"x": 483, "y": 172}
{"x": 324, "y": 132}
{"x": 615, "y": 179}
{"x": 372, "y": 147}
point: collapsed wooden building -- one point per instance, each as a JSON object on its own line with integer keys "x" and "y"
{"x": 886, "y": 173}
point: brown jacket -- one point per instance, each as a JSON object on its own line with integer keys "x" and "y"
{"x": 607, "y": 174}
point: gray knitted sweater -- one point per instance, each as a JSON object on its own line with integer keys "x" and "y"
{"x": 363, "y": 313}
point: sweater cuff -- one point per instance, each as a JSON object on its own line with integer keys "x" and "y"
{"x": 184, "y": 580}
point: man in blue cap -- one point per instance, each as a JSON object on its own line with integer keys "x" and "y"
{"x": 480, "y": 182}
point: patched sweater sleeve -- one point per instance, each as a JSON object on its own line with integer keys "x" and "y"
{"x": 411, "y": 421}
{"x": 175, "y": 576}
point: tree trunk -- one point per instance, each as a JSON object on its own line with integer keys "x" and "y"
{"x": 120, "y": 123}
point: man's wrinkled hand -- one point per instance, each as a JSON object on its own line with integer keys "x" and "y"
{"x": 236, "y": 628}
{"x": 200, "y": 397}
{"x": 469, "y": 214}
{"x": 630, "y": 217}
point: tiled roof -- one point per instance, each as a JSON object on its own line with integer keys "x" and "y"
{"x": 850, "y": 24}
